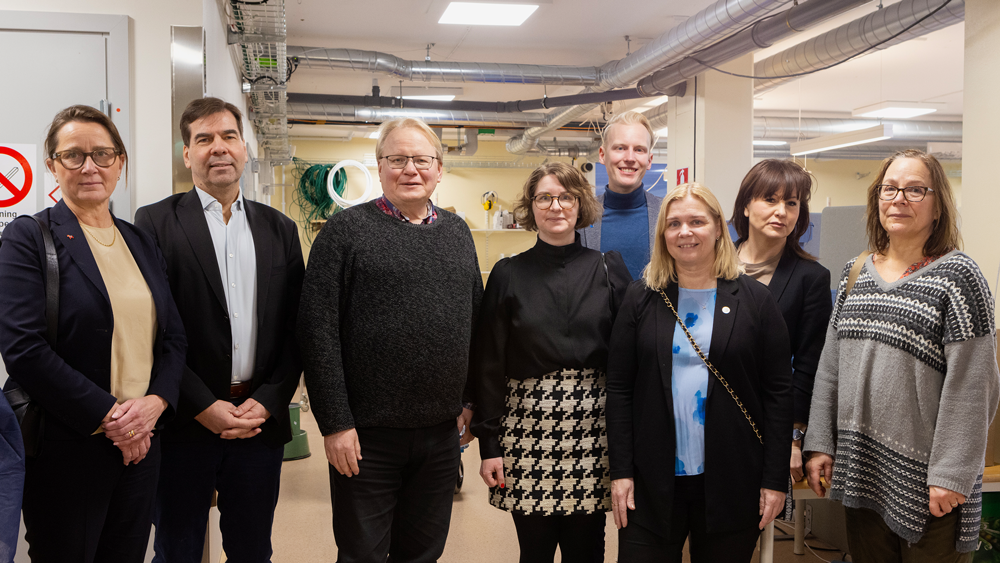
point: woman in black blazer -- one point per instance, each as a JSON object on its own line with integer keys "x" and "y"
{"x": 114, "y": 367}
{"x": 686, "y": 460}
{"x": 770, "y": 215}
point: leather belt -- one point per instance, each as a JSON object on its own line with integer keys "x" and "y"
{"x": 239, "y": 390}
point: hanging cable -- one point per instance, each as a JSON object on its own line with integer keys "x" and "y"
{"x": 311, "y": 194}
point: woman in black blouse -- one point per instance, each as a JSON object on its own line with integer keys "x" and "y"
{"x": 539, "y": 355}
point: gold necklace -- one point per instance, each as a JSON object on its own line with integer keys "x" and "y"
{"x": 114, "y": 235}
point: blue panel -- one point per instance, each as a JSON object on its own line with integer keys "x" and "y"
{"x": 651, "y": 177}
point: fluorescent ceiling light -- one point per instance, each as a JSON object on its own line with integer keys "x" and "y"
{"x": 467, "y": 13}
{"x": 373, "y": 135}
{"x": 436, "y": 98}
{"x": 896, "y": 110}
{"x": 662, "y": 133}
{"x": 841, "y": 140}
{"x": 762, "y": 143}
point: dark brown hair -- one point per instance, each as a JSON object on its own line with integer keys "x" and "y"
{"x": 84, "y": 114}
{"x": 572, "y": 180}
{"x": 945, "y": 235}
{"x": 772, "y": 177}
{"x": 205, "y": 107}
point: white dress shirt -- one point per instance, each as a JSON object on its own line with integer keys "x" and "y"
{"x": 234, "y": 252}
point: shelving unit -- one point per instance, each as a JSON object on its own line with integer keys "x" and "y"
{"x": 486, "y": 245}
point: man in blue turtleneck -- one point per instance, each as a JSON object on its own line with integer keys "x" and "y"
{"x": 628, "y": 221}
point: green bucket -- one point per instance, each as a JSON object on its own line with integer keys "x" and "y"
{"x": 298, "y": 448}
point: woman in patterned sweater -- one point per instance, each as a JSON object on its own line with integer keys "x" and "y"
{"x": 908, "y": 382}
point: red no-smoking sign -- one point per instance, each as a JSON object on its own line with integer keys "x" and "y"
{"x": 8, "y": 179}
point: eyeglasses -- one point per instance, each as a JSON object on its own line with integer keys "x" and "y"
{"x": 911, "y": 194}
{"x": 420, "y": 161}
{"x": 544, "y": 201}
{"x": 74, "y": 159}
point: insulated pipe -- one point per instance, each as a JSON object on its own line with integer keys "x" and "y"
{"x": 701, "y": 30}
{"x": 515, "y": 106}
{"x": 347, "y": 113}
{"x": 760, "y": 35}
{"x": 785, "y": 128}
{"x": 852, "y": 38}
{"x": 437, "y": 71}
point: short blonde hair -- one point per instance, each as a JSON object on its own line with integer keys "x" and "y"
{"x": 662, "y": 268}
{"x": 628, "y": 118}
{"x": 573, "y": 181}
{"x": 413, "y": 123}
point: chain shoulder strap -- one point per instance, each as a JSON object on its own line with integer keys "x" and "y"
{"x": 711, "y": 368}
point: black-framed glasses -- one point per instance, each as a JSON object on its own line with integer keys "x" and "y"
{"x": 544, "y": 201}
{"x": 420, "y": 161}
{"x": 73, "y": 159}
{"x": 911, "y": 193}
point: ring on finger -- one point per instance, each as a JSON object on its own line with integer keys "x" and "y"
{"x": 131, "y": 433}
{"x": 954, "y": 504}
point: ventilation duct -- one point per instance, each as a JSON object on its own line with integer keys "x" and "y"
{"x": 701, "y": 30}
{"x": 857, "y": 36}
{"x": 361, "y": 114}
{"x": 758, "y": 36}
{"x": 785, "y": 128}
{"x": 437, "y": 71}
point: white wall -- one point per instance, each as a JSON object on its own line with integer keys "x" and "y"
{"x": 223, "y": 77}
{"x": 151, "y": 92}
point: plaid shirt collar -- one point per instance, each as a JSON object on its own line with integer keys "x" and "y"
{"x": 389, "y": 209}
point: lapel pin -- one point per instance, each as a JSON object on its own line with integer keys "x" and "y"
{"x": 725, "y": 310}
{"x": 70, "y": 237}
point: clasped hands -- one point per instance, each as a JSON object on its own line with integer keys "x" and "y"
{"x": 231, "y": 422}
{"x": 130, "y": 425}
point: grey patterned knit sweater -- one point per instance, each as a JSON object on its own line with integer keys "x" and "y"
{"x": 385, "y": 320}
{"x": 905, "y": 391}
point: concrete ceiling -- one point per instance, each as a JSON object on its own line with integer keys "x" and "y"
{"x": 591, "y": 32}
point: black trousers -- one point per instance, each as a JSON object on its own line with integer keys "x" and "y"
{"x": 399, "y": 504}
{"x": 580, "y": 537}
{"x": 246, "y": 474}
{"x": 83, "y": 504}
{"x": 687, "y": 521}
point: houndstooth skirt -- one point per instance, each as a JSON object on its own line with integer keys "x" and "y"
{"x": 555, "y": 444}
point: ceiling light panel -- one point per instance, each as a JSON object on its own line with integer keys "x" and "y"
{"x": 841, "y": 140}
{"x": 896, "y": 110}
{"x": 763, "y": 143}
{"x": 468, "y": 13}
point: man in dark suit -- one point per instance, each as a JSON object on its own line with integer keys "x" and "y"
{"x": 235, "y": 269}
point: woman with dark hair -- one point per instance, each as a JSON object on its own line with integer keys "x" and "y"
{"x": 540, "y": 351}
{"x": 111, "y": 371}
{"x": 770, "y": 216}
{"x": 908, "y": 383}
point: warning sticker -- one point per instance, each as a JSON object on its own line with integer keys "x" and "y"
{"x": 17, "y": 176}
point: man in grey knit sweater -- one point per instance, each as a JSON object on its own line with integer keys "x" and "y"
{"x": 387, "y": 309}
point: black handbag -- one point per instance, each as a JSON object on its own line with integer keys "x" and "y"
{"x": 29, "y": 413}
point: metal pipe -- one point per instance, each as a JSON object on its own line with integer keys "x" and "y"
{"x": 760, "y": 35}
{"x": 438, "y": 71}
{"x": 355, "y": 114}
{"x": 786, "y": 128}
{"x": 855, "y": 37}
{"x": 698, "y": 32}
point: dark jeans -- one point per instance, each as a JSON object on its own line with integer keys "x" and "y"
{"x": 83, "y": 504}
{"x": 399, "y": 504}
{"x": 580, "y": 537}
{"x": 687, "y": 521}
{"x": 246, "y": 473}
{"x": 871, "y": 540}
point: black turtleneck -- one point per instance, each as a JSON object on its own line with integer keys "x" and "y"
{"x": 545, "y": 309}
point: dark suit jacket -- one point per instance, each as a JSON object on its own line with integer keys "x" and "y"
{"x": 750, "y": 349}
{"x": 802, "y": 289}
{"x": 72, "y": 381}
{"x": 178, "y": 224}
